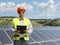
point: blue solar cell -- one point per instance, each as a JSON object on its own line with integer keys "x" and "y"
{"x": 3, "y": 38}
{"x": 58, "y": 42}
{"x": 50, "y": 35}
{"x": 41, "y": 35}
{"x": 54, "y": 34}
{"x": 10, "y": 33}
{"x": 35, "y": 44}
{"x": 31, "y": 40}
{"x": 57, "y": 33}
{"x": 35, "y": 37}
{"x": 49, "y": 43}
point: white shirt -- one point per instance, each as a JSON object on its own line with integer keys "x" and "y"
{"x": 21, "y": 23}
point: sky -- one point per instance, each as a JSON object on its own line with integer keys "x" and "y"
{"x": 35, "y": 9}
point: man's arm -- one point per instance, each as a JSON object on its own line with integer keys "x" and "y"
{"x": 12, "y": 27}
{"x": 30, "y": 29}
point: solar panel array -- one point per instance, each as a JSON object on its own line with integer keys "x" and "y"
{"x": 40, "y": 36}
{"x": 4, "y": 38}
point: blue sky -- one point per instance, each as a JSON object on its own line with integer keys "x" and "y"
{"x": 35, "y": 9}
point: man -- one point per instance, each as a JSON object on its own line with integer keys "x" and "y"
{"x": 21, "y": 39}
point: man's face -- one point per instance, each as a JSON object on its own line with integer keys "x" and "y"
{"x": 21, "y": 13}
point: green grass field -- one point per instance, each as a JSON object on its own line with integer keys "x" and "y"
{"x": 35, "y": 22}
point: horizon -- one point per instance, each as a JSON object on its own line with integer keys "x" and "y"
{"x": 17, "y": 16}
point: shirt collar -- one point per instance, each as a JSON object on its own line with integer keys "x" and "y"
{"x": 21, "y": 19}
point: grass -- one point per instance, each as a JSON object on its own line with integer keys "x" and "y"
{"x": 35, "y": 22}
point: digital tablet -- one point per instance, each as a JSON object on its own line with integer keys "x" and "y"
{"x": 21, "y": 28}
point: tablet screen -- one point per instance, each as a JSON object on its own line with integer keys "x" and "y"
{"x": 21, "y": 28}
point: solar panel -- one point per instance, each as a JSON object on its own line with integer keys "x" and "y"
{"x": 42, "y": 36}
{"x": 35, "y": 44}
{"x": 10, "y": 33}
{"x": 58, "y": 42}
{"x": 49, "y": 43}
{"x": 35, "y": 37}
{"x": 4, "y": 38}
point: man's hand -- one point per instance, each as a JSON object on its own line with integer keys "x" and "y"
{"x": 25, "y": 31}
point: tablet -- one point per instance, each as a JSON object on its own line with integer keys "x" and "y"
{"x": 21, "y": 28}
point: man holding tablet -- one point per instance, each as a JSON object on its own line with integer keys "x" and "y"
{"x": 22, "y": 28}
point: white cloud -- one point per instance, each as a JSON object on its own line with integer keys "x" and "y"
{"x": 42, "y": 6}
{"x": 35, "y": 3}
{"x": 27, "y": 6}
{"x": 49, "y": 9}
{"x": 11, "y": 6}
{"x": 57, "y": 5}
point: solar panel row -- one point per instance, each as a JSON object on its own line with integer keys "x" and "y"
{"x": 35, "y": 38}
{"x": 42, "y": 36}
{"x": 4, "y": 38}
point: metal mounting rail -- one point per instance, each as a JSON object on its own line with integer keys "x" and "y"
{"x": 45, "y": 41}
